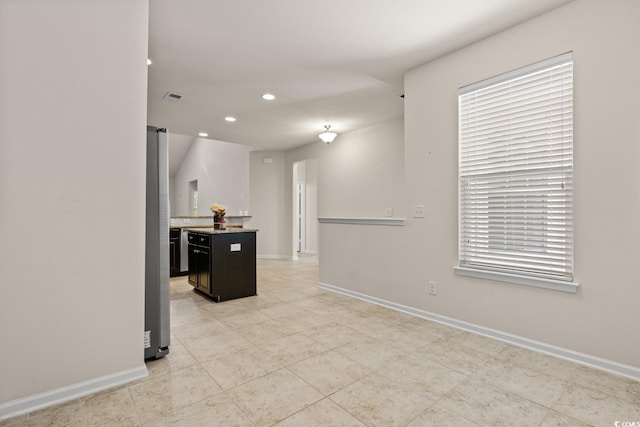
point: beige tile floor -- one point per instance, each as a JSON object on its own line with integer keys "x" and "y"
{"x": 296, "y": 355}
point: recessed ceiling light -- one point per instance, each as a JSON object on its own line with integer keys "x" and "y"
{"x": 230, "y": 119}
{"x": 149, "y": 61}
{"x": 268, "y": 97}
{"x": 203, "y": 134}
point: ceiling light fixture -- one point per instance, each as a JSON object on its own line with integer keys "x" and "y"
{"x": 327, "y": 136}
{"x": 230, "y": 119}
{"x": 268, "y": 97}
{"x": 203, "y": 134}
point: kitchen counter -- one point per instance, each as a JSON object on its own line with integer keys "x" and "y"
{"x": 210, "y": 216}
{"x": 187, "y": 222}
{"x": 211, "y": 230}
{"x": 184, "y": 227}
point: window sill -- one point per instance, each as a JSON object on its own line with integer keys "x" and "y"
{"x": 556, "y": 285}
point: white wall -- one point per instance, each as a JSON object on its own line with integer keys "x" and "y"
{"x": 362, "y": 172}
{"x": 172, "y": 195}
{"x": 222, "y": 171}
{"x": 73, "y": 81}
{"x": 359, "y": 174}
{"x": 394, "y": 263}
{"x": 268, "y": 208}
{"x": 311, "y": 201}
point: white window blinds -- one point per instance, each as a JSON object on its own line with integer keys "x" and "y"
{"x": 516, "y": 172}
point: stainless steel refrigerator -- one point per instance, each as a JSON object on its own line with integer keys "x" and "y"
{"x": 156, "y": 313}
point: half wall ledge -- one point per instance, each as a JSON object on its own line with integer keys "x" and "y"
{"x": 362, "y": 221}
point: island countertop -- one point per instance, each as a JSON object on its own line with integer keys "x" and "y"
{"x": 211, "y": 230}
{"x": 194, "y": 226}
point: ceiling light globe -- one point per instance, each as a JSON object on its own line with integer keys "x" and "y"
{"x": 326, "y": 136}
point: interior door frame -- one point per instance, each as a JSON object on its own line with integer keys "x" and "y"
{"x": 301, "y": 214}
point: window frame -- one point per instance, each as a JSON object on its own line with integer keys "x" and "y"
{"x": 507, "y": 273}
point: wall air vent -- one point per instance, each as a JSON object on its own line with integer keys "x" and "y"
{"x": 172, "y": 97}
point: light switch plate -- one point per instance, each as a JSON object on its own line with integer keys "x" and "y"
{"x": 418, "y": 211}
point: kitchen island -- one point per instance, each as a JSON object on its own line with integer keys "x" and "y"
{"x": 222, "y": 262}
{"x": 179, "y": 225}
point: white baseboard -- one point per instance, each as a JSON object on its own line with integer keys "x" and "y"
{"x": 287, "y": 257}
{"x": 310, "y": 252}
{"x": 562, "y": 353}
{"x": 56, "y": 396}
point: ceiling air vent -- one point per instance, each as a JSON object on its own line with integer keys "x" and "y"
{"x": 172, "y": 97}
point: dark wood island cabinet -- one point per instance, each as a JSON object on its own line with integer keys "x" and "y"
{"x": 174, "y": 251}
{"x": 222, "y": 263}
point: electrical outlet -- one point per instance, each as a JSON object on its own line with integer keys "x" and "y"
{"x": 433, "y": 290}
{"x": 389, "y": 211}
{"x": 418, "y": 211}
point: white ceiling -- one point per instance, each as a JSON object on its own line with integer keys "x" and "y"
{"x": 338, "y": 62}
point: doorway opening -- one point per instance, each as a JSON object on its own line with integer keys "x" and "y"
{"x": 305, "y": 208}
{"x": 301, "y": 216}
{"x": 193, "y": 197}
